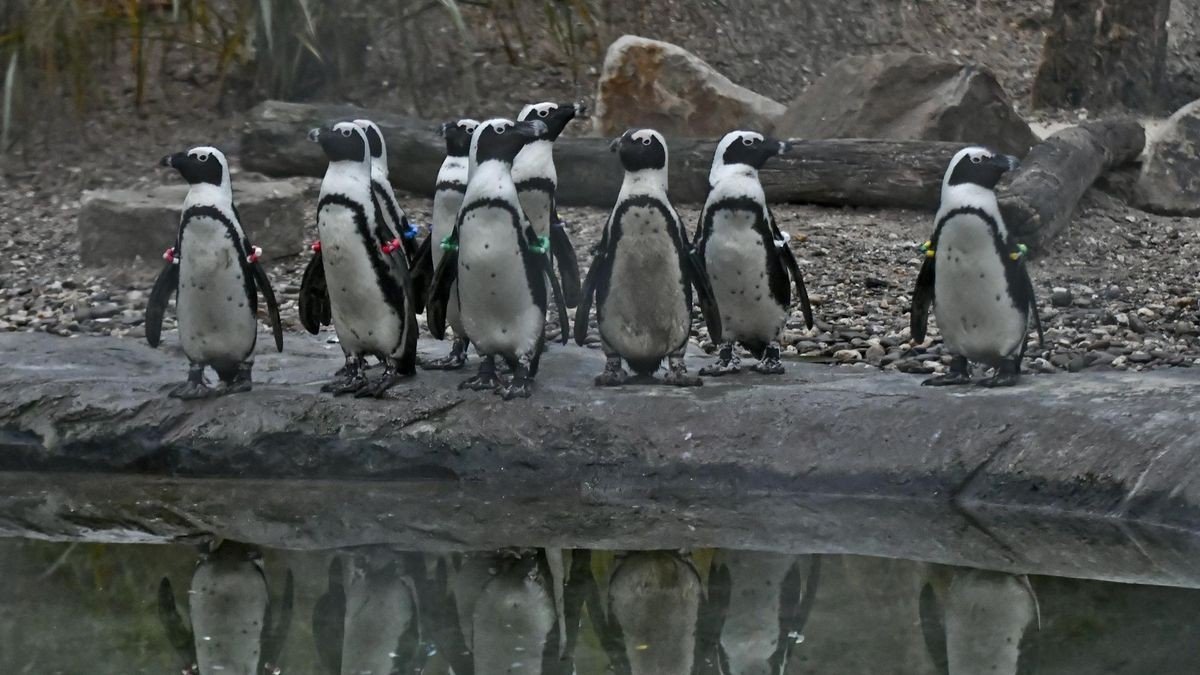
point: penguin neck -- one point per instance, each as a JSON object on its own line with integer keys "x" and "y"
{"x": 644, "y": 181}
{"x": 734, "y": 175}
{"x": 350, "y": 178}
{"x": 975, "y": 196}
{"x": 209, "y": 194}
{"x": 454, "y": 168}
{"x": 379, "y": 168}
{"x": 492, "y": 177}
{"x": 535, "y": 160}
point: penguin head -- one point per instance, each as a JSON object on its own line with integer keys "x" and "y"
{"x": 458, "y": 136}
{"x": 746, "y": 148}
{"x": 641, "y": 150}
{"x": 199, "y": 165}
{"x": 555, "y": 115}
{"x": 978, "y": 166}
{"x": 342, "y": 142}
{"x": 374, "y": 139}
{"x": 501, "y": 139}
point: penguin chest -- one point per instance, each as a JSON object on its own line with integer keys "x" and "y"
{"x": 645, "y": 313}
{"x": 379, "y": 610}
{"x": 750, "y": 635}
{"x": 535, "y": 203}
{"x": 656, "y": 600}
{"x": 228, "y": 603}
{"x": 512, "y": 619}
{"x": 366, "y": 323}
{"x": 497, "y": 305}
{"x": 736, "y": 259}
{"x": 975, "y": 310}
{"x": 216, "y": 323}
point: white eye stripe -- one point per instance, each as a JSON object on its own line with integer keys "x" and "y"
{"x": 976, "y": 159}
{"x": 346, "y": 132}
{"x": 746, "y": 140}
{"x": 202, "y": 156}
{"x": 500, "y": 128}
{"x": 646, "y": 141}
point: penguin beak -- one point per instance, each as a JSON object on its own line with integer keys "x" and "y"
{"x": 782, "y": 147}
{"x": 1012, "y": 162}
{"x": 616, "y": 144}
{"x": 581, "y": 110}
{"x": 445, "y": 127}
{"x": 172, "y": 161}
{"x": 314, "y": 134}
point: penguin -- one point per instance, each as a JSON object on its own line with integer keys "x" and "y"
{"x": 643, "y": 272}
{"x": 537, "y": 184}
{"x": 367, "y": 621}
{"x": 356, "y": 280}
{"x": 746, "y": 256}
{"x": 974, "y": 274}
{"x": 395, "y": 228}
{"x": 650, "y": 626}
{"x": 215, "y": 272}
{"x": 499, "y": 263}
{"x": 979, "y": 622}
{"x": 448, "y": 196}
{"x": 755, "y": 610}
{"x": 234, "y": 627}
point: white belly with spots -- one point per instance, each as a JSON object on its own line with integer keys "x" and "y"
{"x": 446, "y": 204}
{"x": 645, "y": 315}
{"x": 228, "y": 602}
{"x": 975, "y": 314}
{"x": 512, "y": 619}
{"x": 737, "y": 268}
{"x": 536, "y": 206}
{"x": 380, "y": 608}
{"x": 365, "y": 323}
{"x": 216, "y": 325}
{"x": 498, "y": 312}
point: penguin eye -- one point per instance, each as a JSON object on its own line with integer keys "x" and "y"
{"x": 646, "y": 141}
{"x": 543, "y": 113}
{"x": 747, "y": 141}
{"x": 203, "y": 156}
{"x": 976, "y": 159}
{"x": 500, "y": 128}
{"x": 346, "y": 133}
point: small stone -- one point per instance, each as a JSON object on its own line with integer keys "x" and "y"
{"x": 914, "y": 367}
{"x": 1060, "y": 297}
{"x": 875, "y": 351}
{"x": 1140, "y": 357}
{"x": 847, "y": 355}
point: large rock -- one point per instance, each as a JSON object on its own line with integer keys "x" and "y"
{"x": 1169, "y": 182}
{"x": 908, "y": 96}
{"x": 648, "y": 83}
{"x": 118, "y": 227}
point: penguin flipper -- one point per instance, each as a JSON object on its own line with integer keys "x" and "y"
{"x": 922, "y": 300}
{"x": 264, "y": 287}
{"x": 439, "y": 291}
{"x": 586, "y": 297}
{"x": 793, "y": 267}
{"x": 329, "y": 620}
{"x": 568, "y": 263}
{"x": 178, "y": 634}
{"x": 276, "y": 626}
{"x": 933, "y": 629}
{"x": 1030, "y": 297}
{"x": 564, "y": 324}
{"x": 421, "y": 269}
{"x": 156, "y": 307}
{"x": 314, "y": 306}
{"x": 709, "y": 656}
{"x": 705, "y": 295}
{"x": 798, "y": 595}
{"x": 408, "y": 337}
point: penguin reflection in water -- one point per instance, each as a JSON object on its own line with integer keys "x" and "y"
{"x": 643, "y": 274}
{"x": 975, "y": 276}
{"x": 358, "y": 280}
{"x": 234, "y": 625}
{"x": 215, "y": 273}
{"x": 497, "y": 265}
{"x": 746, "y": 256}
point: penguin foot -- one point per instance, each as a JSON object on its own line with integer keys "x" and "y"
{"x": 518, "y": 388}
{"x": 191, "y": 391}
{"x": 378, "y": 388}
{"x": 766, "y": 367}
{"x": 346, "y": 385}
{"x": 721, "y": 367}
{"x": 682, "y": 379}
{"x": 236, "y": 387}
{"x": 612, "y": 378}
{"x": 1000, "y": 379}
{"x": 948, "y": 380}
{"x": 450, "y": 361}
{"x": 481, "y": 382}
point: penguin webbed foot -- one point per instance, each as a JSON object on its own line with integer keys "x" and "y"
{"x": 455, "y": 360}
{"x": 769, "y": 363}
{"x": 1007, "y": 375}
{"x": 959, "y": 374}
{"x": 519, "y": 387}
{"x": 378, "y": 388}
{"x": 239, "y": 382}
{"x": 352, "y": 379}
{"x": 192, "y": 391}
{"x": 485, "y": 379}
{"x": 728, "y": 363}
{"x": 677, "y": 374}
{"x": 614, "y": 375}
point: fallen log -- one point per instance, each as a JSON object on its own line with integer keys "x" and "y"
{"x": 1038, "y": 199}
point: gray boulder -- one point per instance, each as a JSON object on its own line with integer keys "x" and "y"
{"x": 908, "y": 96}
{"x": 1169, "y": 182}
{"x": 648, "y": 83}
{"x": 119, "y": 227}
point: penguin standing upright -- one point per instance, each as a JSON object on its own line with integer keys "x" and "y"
{"x": 977, "y": 621}
{"x": 643, "y": 273}
{"x": 746, "y": 256}
{"x": 650, "y": 627}
{"x": 357, "y": 281}
{"x": 536, "y": 179}
{"x": 975, "y": 276}
{"x": 448, "y": 196}
{"x": 499, "y": 263}
{"x": 216, "y": 272}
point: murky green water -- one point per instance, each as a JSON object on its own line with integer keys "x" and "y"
{"x": 239, "y": 609}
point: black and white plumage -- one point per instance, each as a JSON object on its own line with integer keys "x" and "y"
{"x": 537, "y": 185}
{"x": 234, "y": 626}
{"x": 448, "y": 196}
{"x": 499, "y": 265}
{"x": 979, "y": 622}
{"x": 653, "y": 606}
{"x": 746, "y": 256}
{"x": 975, "y": 275}
{"x": 214, "y": 271}
{"x": 357, "y": 281}
{"x": 643, "y": 273}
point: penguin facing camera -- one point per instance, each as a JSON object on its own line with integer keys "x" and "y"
{"x": 358, "y": 280}
{"x": 974, "y": 275}
{"x": 746, "y": 256}
{"x": 215, "y": 274}
{"x": 643, "y": 273}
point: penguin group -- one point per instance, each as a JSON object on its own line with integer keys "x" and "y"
{"x": 497, "y": 270}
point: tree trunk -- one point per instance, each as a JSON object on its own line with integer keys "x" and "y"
{"x": 1101, "y": 54}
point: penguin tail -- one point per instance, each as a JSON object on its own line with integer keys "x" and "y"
{"x": 756, "y": 348}
{"x": 644, "y": 367}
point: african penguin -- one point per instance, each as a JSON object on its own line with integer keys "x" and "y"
{"x": 643, "y": 273}
{"x": 215, "y": 272}
{"x": 974, "y": 274}
{"x": 357, "y": 281}
{"x": 448, "y": 196}
{"x": 537, "y": 185}
{"x": 979, "y": 622}
{"x": 653, "y": 608}
{"x": 499, "y": 264}
{"x": 746, "y": 256}
{"x": 235, "y": 626}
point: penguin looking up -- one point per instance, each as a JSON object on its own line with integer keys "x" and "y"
{"x": 357, "y": 281}
{"x": 537, "y": 184}
{"x": 398, "y": 232}
{"x": 214, "y": 270}
{"x": 643, "y": 273}
{"x": 746, "y": 256}
{"x": 975, "y": 276}
{"x": 448, "y": 196}
{"x": 499, "y": 263}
